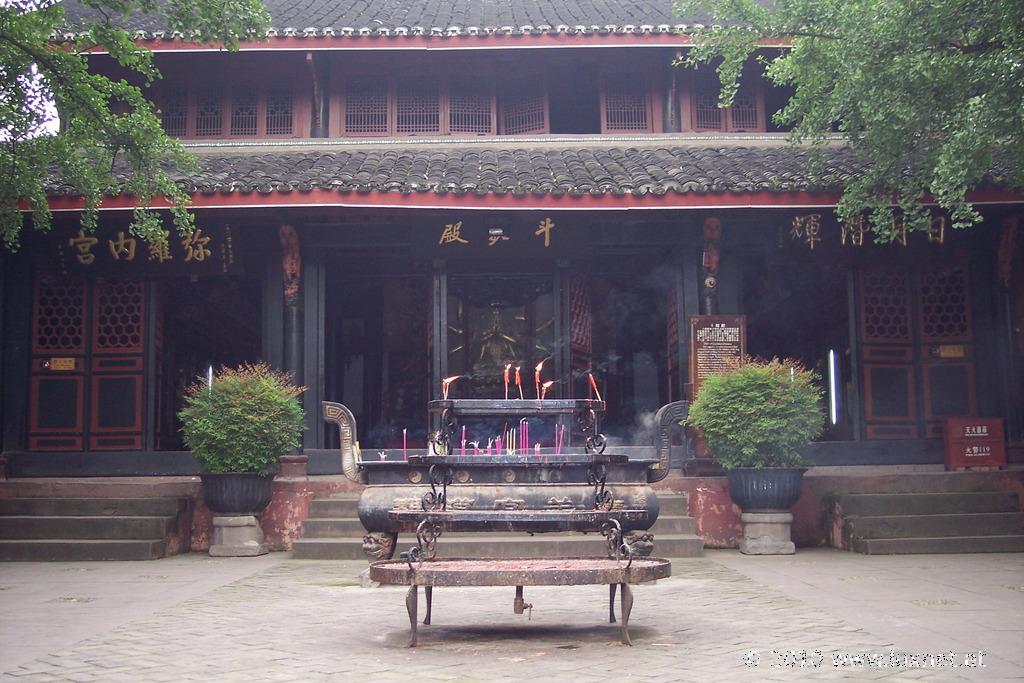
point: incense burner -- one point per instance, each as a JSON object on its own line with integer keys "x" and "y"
{"x": 576, "y": 489}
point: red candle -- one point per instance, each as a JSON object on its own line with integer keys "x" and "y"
{"x": 593, "y": 385}
{"x": 508, "y": 366}
{"x": 536, "y": 376}
{"x": 544, "y": 388}
{"x": 519, "y": 382}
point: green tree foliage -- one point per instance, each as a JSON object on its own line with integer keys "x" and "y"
{"x": 106, "y": 120}
{"x": 242, "y": 421}
{"x": 762, "y": 414}
{"x": 926, "y": 91}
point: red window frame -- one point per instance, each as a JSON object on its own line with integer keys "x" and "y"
{"x": 635, "y": 83}
{"x": 697, "y": 85}
{"x": 300, "y": 109}
{"x": 393, "y": 89}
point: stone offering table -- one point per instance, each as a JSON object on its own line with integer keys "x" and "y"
{"x": 570, "y": 571}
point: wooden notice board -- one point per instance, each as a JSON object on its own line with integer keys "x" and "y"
{"x": 717, "y": 343}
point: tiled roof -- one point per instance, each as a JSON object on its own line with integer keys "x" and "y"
{"x": 447, "y": 18}
{"x": 545, "y": 169}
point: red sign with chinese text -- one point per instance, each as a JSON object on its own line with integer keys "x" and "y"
{"x": 974, "y": 442}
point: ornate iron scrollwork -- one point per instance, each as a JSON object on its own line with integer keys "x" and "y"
{"x": 587, "y": 423}
{"x": 617, "y": 550}
{"x": 597, "y": 475}
{"x": 441, "y": 440}
{"x": 427, "y": 533}
{"x": 439, "y": 475}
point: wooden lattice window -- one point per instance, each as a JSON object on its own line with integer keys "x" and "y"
{"x": 625, "y": 104}
{"x": 174, "y": 112}
{"x": 118, "y": 322}
{"x": 743, "y": 112}
{"x": 417, "y": 107}
{"x": 707, "y": 114}
{"x": 366, "y": 107}
{"x": 471, "y": 109}
{"x": 524, "y": 110}
{"x": 209, "y": 113}
{"x": 279, "y": 112}
{"x": 244, "y": 111}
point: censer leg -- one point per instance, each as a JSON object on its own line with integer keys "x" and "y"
{"x": 611, "y": 602}
{"x": 410, "y": 605}
{"x": 429, "y": 591}
{"x": 627, "y": 606}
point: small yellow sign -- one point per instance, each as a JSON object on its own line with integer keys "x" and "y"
{"x": 61, "y": 364}
{"x": 951, "y": 351}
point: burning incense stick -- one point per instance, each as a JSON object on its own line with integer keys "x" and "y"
{"x": 519, "y": 381}
{"x": 536, "y": 376}
{"x": 508, "y": 366}
{"x": 544, "y": 388}
{"x": 593, "y": 385}
{"x": 446, "y": 384}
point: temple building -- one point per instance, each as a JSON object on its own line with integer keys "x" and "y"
{"x": 390, "y": 194}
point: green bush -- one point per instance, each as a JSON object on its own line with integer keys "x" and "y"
{"x": 762, "y": 414}
{"x": 244, "y": 421}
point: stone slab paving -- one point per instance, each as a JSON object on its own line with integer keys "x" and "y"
{"x": 293, "y": 620}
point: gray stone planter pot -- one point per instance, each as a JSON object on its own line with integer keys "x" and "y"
{"x": 765, "y": 489}
{"x": 236, "y": 493}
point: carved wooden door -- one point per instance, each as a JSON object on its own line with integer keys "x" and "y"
{"x": 86, "y": 385}
{"x": 918, "y": 349}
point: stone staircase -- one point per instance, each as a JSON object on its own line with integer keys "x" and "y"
{"x": 333, "y": 532}
{"x": 914, "y": 523}
{"x": 82, "y": 529}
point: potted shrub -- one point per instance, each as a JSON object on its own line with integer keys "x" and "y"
{"x": 757, "y": 420}
{"x": 237, "y": 424}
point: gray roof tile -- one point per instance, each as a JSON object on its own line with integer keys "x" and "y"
{"x": 450, "y": 18}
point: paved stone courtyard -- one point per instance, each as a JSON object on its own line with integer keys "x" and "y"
{"x": 718, "y": 618}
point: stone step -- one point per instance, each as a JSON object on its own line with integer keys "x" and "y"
{"x": 883, "y": 504}
{"x": 76, "y": 507}
{"x": 67, "y": 527}
{"x": 327, "y": 527}
{"x": 499, "y": 545}
{"x": 959, "y": 544}
{"x": 673, "y": 504}
{"x": 935, "y": 526}
{"x": 674, "y": 524}
{"x": 79, "y": 550}
{"x": 334, "y": 507}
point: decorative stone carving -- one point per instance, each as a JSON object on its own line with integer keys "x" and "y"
{"x": 641, "y": 543}
{"x": 461, "y": 503}
{"x": 564, "y": 503}
{"x": 380, "y": 546}
{"x": 406, "y": 504}
{"x": 509, "y": 504}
